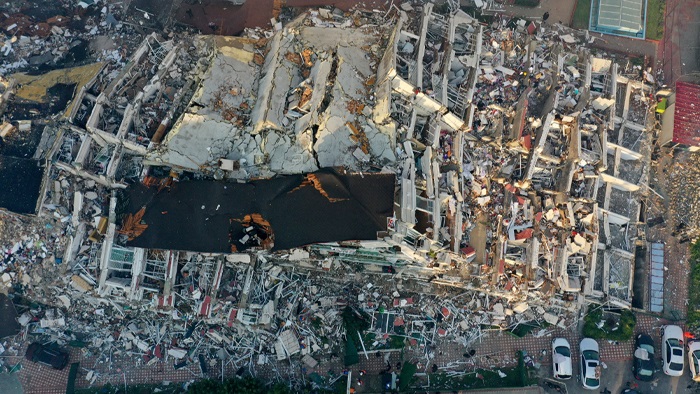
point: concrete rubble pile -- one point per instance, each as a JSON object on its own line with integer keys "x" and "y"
{"x": 520, "y": 157}
{"x": 59, "y": 35}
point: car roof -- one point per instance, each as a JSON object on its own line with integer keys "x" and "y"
{"x": 644, "y": 339}
{"x": 646, "y": 364}
{"x": 590, "y": 369}
{"x": 693, "y": 346}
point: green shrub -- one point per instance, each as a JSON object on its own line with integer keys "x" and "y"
{"x": 693, "y": 319}
{"x": 406, "y": 376}
{"x": 527, "y": 3}
{"x": 351, "y": 355}
{"x": 582, "y": 14}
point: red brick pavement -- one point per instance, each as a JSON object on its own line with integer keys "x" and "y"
{"x": 40, "y": 379}
{"x": 676, "y": 255}
{"x": 497, "y": 349}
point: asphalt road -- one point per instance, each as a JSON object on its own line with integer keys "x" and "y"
{"x": 9, "y": 384}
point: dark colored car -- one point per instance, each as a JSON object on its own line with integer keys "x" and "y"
{"x": 644, "y": 365}
{"x": 52, "y": 356}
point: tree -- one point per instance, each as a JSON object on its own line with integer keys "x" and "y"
{"x": 351, "y": 355}
{"x": 355, "y": 321}
{"x": 246, "y": 385}
{"x": 207, "y": 386}
{"x": 406, "y": 375}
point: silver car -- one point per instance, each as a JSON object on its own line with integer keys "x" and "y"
{"x": 694, "y": 360}
{"x": 672, "y": 351}
{"x": 590, "y": 364}
{"x": 561, "y": 359}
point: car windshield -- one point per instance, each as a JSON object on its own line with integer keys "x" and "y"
{"x": 563, "y": 350}
{"x": 673, "y": 342}
{"x": 675, "y": 367}
{"x": 590, "y": 354}
{"x": 648, "y": 348}
{"x": 592, "y": 382}
{"x": 646, "y": 372}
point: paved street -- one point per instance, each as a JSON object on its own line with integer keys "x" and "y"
{"x": 618, "y": 374}
{"x": 560, "y": 11}
{"x": 681, "y": 43}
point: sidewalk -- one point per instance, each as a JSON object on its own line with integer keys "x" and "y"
{"x": 681, "y": 41}
{"x": 625, "y": 46}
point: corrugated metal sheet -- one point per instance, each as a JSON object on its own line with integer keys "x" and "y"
{"x": 686, "y": 128}
{"x": 657, "y": 277}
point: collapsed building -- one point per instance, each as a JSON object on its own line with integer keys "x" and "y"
{"x": 223, "y": 178}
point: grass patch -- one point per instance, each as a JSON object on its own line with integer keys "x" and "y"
{"x": 655, "y": 19}
{"x": 480, "y": 379}
{"x": 355, "y": 323}
{"x": 527, "y": 3}
{"x": 694, "y": 290}
{"x": 135, "y": 389}
{"x": 582, "y": 13}
{"x": 396, "y": 342}
{"x": 616, "y": 328}
{"x": 483, "y": 378}
{"x": 523, "y": 329}
{"x": 393, "y": 342}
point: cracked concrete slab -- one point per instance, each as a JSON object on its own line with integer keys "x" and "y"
{"x": 293, "y": 117}
{"x": 199, "y": 141}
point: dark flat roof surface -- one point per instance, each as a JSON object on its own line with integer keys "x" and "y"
{"x": 201, "y": 215}
{"x": 21, "y": 183}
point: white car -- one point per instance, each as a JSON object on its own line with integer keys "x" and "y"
{"x": 561, "y": 359}
{"x": 590, "y": 364}
{"x": 694, "y": 360}
{"x": 672, "y": 351}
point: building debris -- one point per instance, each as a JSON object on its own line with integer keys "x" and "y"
{"x": 495, "y": 173}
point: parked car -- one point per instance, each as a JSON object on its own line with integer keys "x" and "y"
{"x": 672, "y": 350}
{"x": 694, "y": 360}
{"x": 561, "y": 359}
{"x": 52, "y": 356}
{"x": 590, "y": 364}
{"x": 644, "y": 365}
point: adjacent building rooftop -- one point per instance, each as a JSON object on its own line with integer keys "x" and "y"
{"x": 686, "y": 128}
{"x": 619, "y": 17}
{"x": 280, "y": 213}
